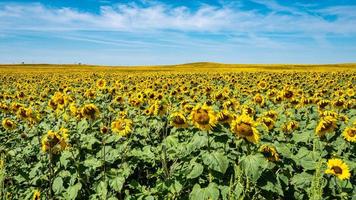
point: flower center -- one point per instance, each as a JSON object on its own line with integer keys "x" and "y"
{"x": 337, "y": 170}
{"x": 202, "y": 117}
{"x": 178, "y": 120}
{"x": 288, "y": 94}
{"x": 352, "y": 133}
{"x": 244, "y": 129}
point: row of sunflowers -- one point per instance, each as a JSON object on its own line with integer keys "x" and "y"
{"x": 164, "y": 134}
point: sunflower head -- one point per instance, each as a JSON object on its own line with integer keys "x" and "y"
{"x": 36, "y": 195}
{"x": 350, "y": 134}
{"x": 259, "y": 99}
{"x": 178, "y": 120}
{"x": 326, "y": 124}
{"x": 244, "y": 126}
{"x": 55, "y": 141}
{"x": 225, "y": 117}
{"x": 262, "y": 85}
{"x": 339, "y": 103}
{"x": 122, "y": 126}
{"x": 268, "y": 122}
{"x": 269, "y": 152}
{"x": 8, "y": 124}
{"x": 203, "y": 117}
{"x": 291, "y": 126}
{"x": 101, "y": 83}
{"x": 338, "y": 168}
{"x": 90, "y": 111}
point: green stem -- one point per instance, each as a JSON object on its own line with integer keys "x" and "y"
{"x": 50, "y": 157}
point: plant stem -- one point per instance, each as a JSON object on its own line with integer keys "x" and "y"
{"x": 50, "y": 157}
{"x": 207, "y": 133}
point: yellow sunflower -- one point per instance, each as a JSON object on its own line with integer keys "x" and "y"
{"x": 262, "y": 85}
{"x": 326, "y": 125}
{"x": 350, "y": 134}
{"x": 36, "y": 195}
{"x": 203, "y": 117}
{"x": 244, "y": 126}
{"x": 178, "y": 120}
{"x": 225, "y": 117}
{"x": 271, "y": 114}
{"x": 122, "y": 126}
{"x": 350, "y": 92}
{"x": 259, "y": 99}
{"x": 338, "y": 168}
{"x": 101, "y": 83}
{"x": 90, "y": 111}
{"x": 269, "y": 152}
{"x": 291, "y": 126}
{"x": 268, "y": 122}
{"x": 8, "y": 124}
{"x": 55, "y": 141}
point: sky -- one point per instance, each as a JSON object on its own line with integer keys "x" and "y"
{"x": 151, "y": 32}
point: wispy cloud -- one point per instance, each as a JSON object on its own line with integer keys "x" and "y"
{"x": 159, "y": 16}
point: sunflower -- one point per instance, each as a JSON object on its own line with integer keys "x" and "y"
{"x": 8, "y": 124}
{"x": 290, "y": 126}
{"x": 90, "y": 111}
{"x": 101, "y": 83}
{"x": 203, "y": 117}
{"x": 262, "y": 85}
{"x": 90, "y": 93}
{"x": 36, "y": 195}
{"x": 122, "y": 126}
{"x": 258, "y": 98}
{"x": 269, "y": 152}
{"x": 338, "y": 168}
{"x": 323, "y": 103}
{"x": 268, "y": 122}
{"x": 104, "y": 129}
{"x": 225, "y": 117}
{"x": 288, "y": 93}
{"x": 326, "y": 124}
{"x": 246, "y": 110}
{"x": 158, "y": 108}
{"x": 350, "y": 92}
{"x": 244, "y": 126}
{"x": 55, "y": 141}
{"x": 271, "y": 114}
{"x": 350, "y": 134}
{"x": 178, "y": 120}
{"x": 339, "y": 103}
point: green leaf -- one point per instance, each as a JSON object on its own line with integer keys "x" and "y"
{"x": 58, "y": 185}
{"x": 92, "y": 163}
{"x": 64, "y": 159}
{"x": 117, "y": 183}
{"x": 301, "y": 180}
{"x": 302, "y": 137}
{"x": 209, "y": 193}
{"x": 176, "y": 187}
{"x": 102, "y": 189}
{"x": 254, "y": 165}
{"x": 216, "y": 161}
{"x": 72, "y": 191}
{"x": 307, "y": 159}
{"x": 82, "y": 126}
{"x": 197, "y": 170}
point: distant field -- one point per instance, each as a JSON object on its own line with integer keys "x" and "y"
{"x": 185, "y": 67}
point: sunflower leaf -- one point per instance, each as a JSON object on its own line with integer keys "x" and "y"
{"x": 216, "y": 161}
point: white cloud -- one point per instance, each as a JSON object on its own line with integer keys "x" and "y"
{"x": 159, "y": 16}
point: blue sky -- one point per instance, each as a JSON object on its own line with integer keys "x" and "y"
{"x": 148, "y": 32}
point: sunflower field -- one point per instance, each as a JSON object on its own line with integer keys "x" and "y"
{"x": 182, "y": 132}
